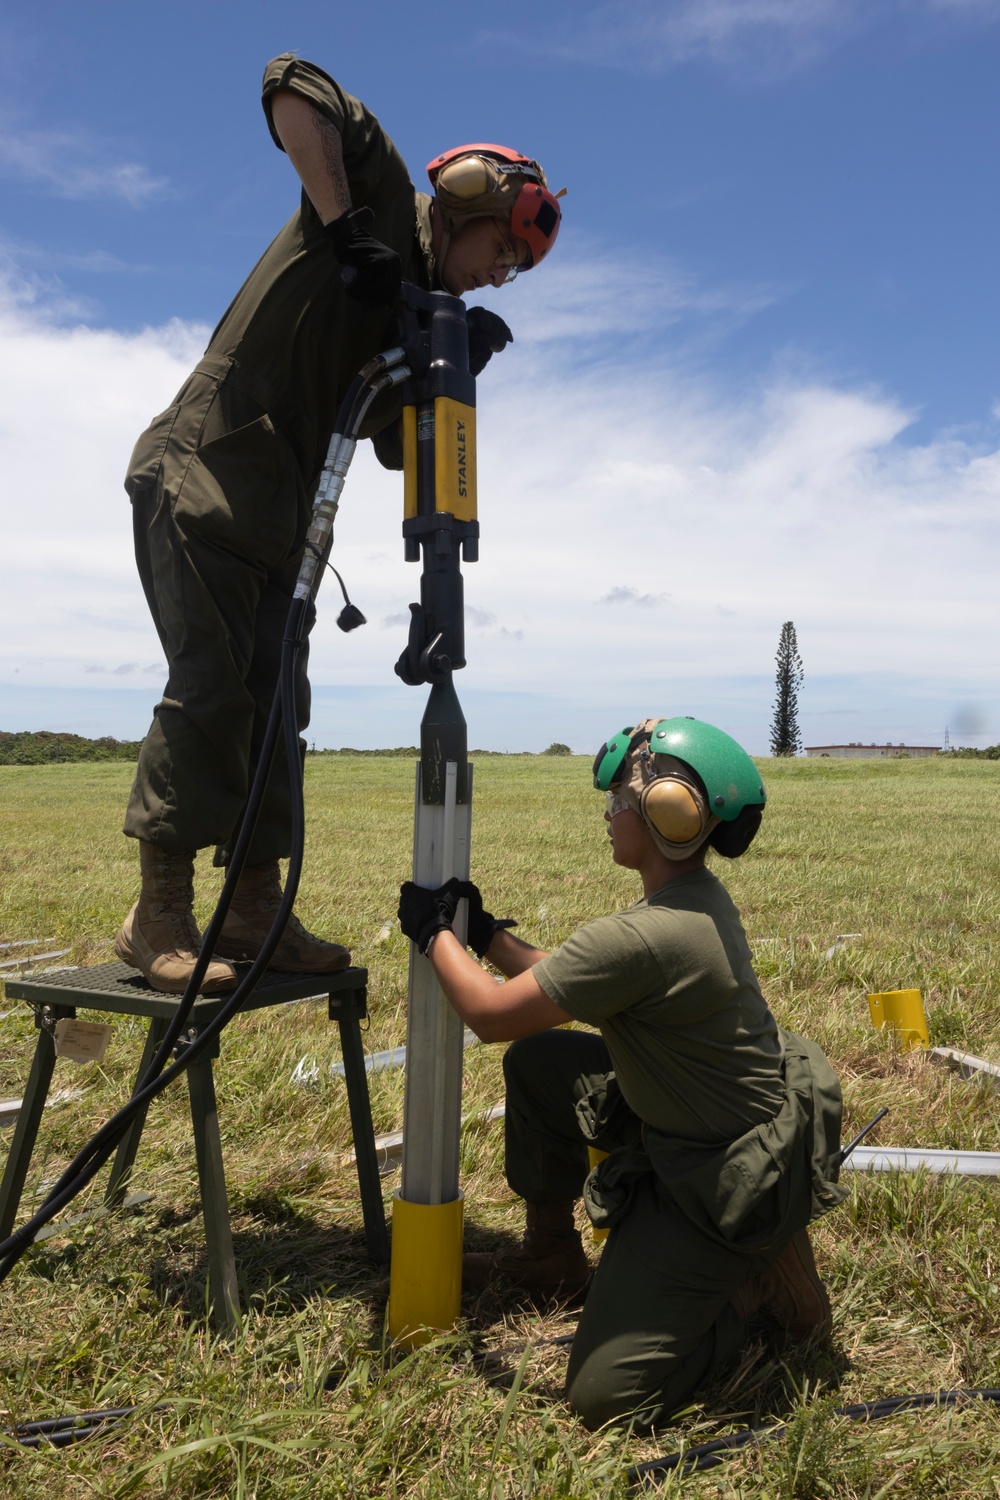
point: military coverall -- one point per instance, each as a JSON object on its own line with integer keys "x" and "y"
{"x": 723, "y": 1134}
{"x": 222, "y": 482}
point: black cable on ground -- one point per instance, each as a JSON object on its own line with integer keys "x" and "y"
{"x": 708, "y": 1455}
{"x": 60, "y": 1432}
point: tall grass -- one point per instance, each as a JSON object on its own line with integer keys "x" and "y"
{"x": 112, "y": 1312}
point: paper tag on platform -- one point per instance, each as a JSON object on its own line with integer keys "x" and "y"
{"x": 81, "y": 1041}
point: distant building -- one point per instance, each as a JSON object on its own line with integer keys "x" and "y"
{"x": 856, "y": 751}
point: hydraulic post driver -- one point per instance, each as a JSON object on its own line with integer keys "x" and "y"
{"x": 439, "y": 526}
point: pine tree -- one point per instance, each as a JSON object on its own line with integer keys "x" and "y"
{"x": 785, "y": 736}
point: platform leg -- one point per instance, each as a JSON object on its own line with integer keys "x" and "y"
{"x": 125, "y": 1155}
{"x": 366, "y": 1158}
{"x": 25, "y": 1131}
{"x": 222, "y": 1283}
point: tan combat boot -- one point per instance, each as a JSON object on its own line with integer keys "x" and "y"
{"x": 249, "y": 919}
{"x": 549, "y": 1263}
{"x": 791, "y": 1291}
{"x": 159, "y": 936}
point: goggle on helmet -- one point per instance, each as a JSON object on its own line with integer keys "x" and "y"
{"x": 609, "y": 762}
{"x": 485, "y": 180}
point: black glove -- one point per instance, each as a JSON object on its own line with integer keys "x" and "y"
{"x": 488, "y": 334}
{"x": 373, "y": 273}
{"x": 423, "y": 912}
{"x": 483, "y": 925}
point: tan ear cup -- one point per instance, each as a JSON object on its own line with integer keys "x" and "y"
{"x": 675, "y": 810}
{"x": 469, "y": 177}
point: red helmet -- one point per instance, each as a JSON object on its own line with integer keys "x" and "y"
{"x": 484, "y": 180}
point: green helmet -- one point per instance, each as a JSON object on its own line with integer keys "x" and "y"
{"x": 689, "y": 782}
{"x": 731, "y": 780}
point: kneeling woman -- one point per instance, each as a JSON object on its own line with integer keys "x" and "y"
{"x": 722, "y": 1131}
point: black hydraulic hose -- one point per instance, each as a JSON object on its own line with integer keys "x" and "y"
{"x": 89, "y": 1160}
{"x": 708, "y": 1455}
{"x": 60, "y": 1432}
{"x": 63, "y": 1437}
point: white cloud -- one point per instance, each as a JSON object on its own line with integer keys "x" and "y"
{"x": 705, "y": 518}
{"x": 127, "y": 669}
{"x": 74, "y": 165}
{"x": 622, "y": 593}
{"x": 647, "y": 296}
{"x": 760, "y": 39}
{"x": 72, "y": 402}
{"x": 28, "y": 280}
{"x": 701, "y": 516}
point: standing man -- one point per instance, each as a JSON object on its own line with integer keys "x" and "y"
{"x": 722, "y": 1130}
{"x": 222, "y": 484}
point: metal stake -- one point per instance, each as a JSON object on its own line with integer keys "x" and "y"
{"x": 435, "y": 1035}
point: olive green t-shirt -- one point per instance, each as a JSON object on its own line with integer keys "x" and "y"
{"x": 670, "y": 984}
{"x": 295, "y": 338}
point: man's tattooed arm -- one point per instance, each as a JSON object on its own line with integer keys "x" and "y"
{"x": 332, "y": 148}
{"x": 316, "y": 152}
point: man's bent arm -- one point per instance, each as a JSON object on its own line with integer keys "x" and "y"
{"x": 495, "y": 1012}
{"x": 315, "y": 150}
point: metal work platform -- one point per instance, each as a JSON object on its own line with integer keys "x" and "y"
{"x": 117, "y": 989}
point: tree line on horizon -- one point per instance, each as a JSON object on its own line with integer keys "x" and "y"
{"x": 46, "y": 747}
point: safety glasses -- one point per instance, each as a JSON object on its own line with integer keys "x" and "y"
{"x": 614, "y": 803}
{"x": 507, "y": 259}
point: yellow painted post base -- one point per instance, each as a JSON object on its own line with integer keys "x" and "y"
{"x": 595, "y": 1157}
{"x": 903, "y": 1012}
{"x": 425, "y": 1275}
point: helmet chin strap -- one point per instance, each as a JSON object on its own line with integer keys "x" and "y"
{"x": 439, "y": 228}
{"x": 445, "y": 243}
{"x": 446, "y": 239}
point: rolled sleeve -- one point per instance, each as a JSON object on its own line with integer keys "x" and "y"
{"x": 376, "y": 173}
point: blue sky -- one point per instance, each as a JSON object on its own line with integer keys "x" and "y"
{"x": 756, "y": 381}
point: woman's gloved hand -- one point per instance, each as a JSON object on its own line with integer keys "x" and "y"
{"x": 423, "y": 913}
{"x": 483, "y": 925}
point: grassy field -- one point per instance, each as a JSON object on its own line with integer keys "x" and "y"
{"x": 904, "y": 853}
